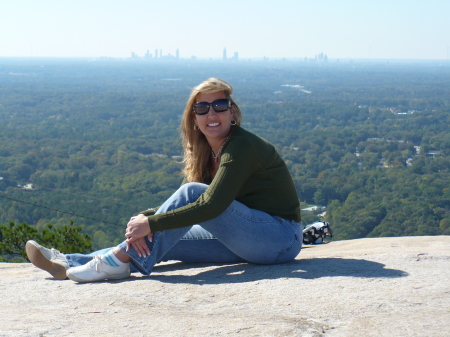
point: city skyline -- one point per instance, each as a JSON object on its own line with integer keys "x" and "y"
{"x": 346, "y": 29}
{"x": 159, "y": 54}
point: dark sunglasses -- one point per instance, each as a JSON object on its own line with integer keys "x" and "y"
{"x": 219, "y": 105}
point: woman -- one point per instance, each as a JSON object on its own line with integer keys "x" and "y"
{"x": 237, "y": 203}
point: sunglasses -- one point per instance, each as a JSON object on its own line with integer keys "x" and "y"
{"x": 219, "y": 105}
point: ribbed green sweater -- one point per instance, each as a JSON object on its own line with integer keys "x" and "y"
{"x": 251, "y": 172}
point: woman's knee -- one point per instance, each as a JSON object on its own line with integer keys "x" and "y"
{"x": 191, "y": 191}
{"x": 186, "y": 194}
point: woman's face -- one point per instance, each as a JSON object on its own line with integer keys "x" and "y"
{"x": 214, "y": 125}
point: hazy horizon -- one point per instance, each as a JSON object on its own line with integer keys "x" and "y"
{"x": 292, "y": 29}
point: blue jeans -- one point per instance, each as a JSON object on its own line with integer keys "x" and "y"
{"x": 239, "y": 234}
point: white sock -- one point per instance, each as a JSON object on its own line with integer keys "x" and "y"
{"x": 112, "y": 260}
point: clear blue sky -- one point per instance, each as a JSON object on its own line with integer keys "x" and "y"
{"x": 393, "y": 29}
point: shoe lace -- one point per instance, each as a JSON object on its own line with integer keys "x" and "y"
{"x": 95, "y": 262}
{"x": 55, "y": 252}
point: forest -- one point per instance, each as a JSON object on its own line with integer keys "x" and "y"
{"x": 93, "y": 142}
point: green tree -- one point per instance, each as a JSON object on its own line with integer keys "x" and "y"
{"x": 13, "y": 239}
{"x": 66, "y": 238}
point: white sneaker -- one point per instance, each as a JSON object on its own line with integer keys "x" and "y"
{"x": 50, "y": 260}
{"x": 97, "y": 270}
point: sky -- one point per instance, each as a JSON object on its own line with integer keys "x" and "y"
{"x": 341, "y": 29}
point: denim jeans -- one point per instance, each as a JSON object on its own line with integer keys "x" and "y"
{"x": 239, "y": 234}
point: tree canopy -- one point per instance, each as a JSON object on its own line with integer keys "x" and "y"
{"x": 97, "y": 142}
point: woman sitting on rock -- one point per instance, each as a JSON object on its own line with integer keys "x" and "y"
{"x": 237, "y": 203}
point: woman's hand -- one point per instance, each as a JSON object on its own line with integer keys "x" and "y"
{"x": 138, "y": 228}
{"x": 141, "y": 247}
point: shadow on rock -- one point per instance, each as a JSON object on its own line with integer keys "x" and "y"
{"x": 304, "y": 269}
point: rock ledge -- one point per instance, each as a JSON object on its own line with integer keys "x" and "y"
{"x": 365, "y": 287}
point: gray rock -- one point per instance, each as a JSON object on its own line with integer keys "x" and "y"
{"x": 365, "y": 287}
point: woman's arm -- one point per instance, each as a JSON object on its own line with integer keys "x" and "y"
{"x": 236, "y": 165}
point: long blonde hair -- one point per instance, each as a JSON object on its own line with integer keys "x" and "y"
{"x": 197, "y": 151}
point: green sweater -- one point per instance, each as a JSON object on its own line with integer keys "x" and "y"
{"x": 251, "y": 172}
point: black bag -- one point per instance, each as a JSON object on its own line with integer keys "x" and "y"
{"x": 316, "y": 232}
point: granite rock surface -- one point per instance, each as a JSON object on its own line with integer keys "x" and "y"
{"x": 364, "y": 287}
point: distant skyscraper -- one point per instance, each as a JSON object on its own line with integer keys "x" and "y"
{"x": 177, "y": 54}
{"x": 224, "y": 54}
{"x": 160, "y": 53}
{"x": 236, "y": 55}
{"x": 156, "y": 53}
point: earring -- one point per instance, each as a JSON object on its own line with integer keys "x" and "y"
{"x": 195, "y": 127}
{"x": 233, "y": 122}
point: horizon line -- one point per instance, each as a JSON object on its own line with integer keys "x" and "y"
{"x": 230, "y": 59}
